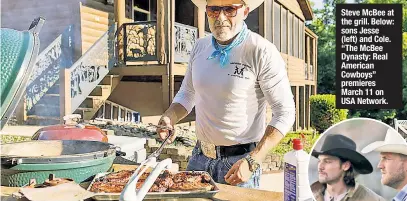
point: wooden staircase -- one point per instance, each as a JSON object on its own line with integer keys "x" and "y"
{"x": 47, "y": 110}
{"x": 98, "y": 96}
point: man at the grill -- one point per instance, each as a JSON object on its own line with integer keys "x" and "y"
{"x": 231, "y": 76}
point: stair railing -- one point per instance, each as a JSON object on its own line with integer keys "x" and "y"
{"x": 55, "y": 56}
{"x": 78, "y": 81}
{"x": 113, "y": 111}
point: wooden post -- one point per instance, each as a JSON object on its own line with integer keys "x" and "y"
{"x": 165, "y": 90}
{"x": 315, "y": 65}
{"x": 303, "y": 112}
{"x": 307, "y": 61}
{"x": 172, "y": 51}
{"x": 309, "y": 106}
{"x": 161, "y": 27}
{"x": 65, "y": 93}
{"x": 120, "y": 12}
{"x": 272, "y": 21}
{"x": 297, "y": 106}
{"x": 200, "y": 21}
{"x": 120, "y": 17}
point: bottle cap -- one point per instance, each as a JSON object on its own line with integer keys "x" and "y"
{"x": 297, "y": 144}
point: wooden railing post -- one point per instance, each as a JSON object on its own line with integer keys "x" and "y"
{"x": 162, "y": 23}
{"x": 65, "y": 93}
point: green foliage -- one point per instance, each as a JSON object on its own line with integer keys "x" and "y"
{"x": 285, "y": 144}
{"x": 324, "y": 113}
{"x": 13, "y": 138}
{"x": 383, "y": 115}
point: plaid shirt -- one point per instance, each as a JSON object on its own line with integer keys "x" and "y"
{"x": 402, "y": 195}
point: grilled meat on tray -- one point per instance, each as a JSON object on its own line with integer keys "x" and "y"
{"x": 166, "y": 182}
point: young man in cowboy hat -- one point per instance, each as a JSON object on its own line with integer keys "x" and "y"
{"x": 393, "y": 162}
{"x": 231, "y": 76}
{"x": 338, "y": 164}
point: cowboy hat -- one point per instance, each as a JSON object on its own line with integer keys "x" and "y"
{"x": 393, "y": 143}
{"x": 345, "y": 148}
{"x": 252, "y": 4}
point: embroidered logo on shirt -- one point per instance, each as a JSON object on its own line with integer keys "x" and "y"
{"x": 239, "y": 70}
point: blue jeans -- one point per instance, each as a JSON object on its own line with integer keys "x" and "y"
{"x": 219, "y": 167}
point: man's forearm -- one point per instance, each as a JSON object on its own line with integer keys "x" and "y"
{"x": 271, "y": 138}
{"x": 176, "y": 112}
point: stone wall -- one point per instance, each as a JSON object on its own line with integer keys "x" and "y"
{"x": 178, "y": 154}
{"x": 272, "y": 162}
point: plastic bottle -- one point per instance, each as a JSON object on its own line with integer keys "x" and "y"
{"x": 296, "y": 185}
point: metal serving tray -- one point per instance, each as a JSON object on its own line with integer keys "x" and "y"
{"x": 158, "y": 195}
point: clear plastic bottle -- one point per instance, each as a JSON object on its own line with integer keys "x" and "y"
{"x": 296, "y": 185}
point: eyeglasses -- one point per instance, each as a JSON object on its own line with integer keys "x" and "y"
{"x": 229, "y": 11}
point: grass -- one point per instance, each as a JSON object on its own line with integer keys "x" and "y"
{"x": 13, "y": 138}
{"x": 285, "y": 144}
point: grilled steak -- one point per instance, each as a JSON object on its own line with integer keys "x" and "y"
{"x": 191, "y": 181}
{"x": 123, "y": 174}
{"x": 166, "y": 182}
{"x": 191, "y": 187}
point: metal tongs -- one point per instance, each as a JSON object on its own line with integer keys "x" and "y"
{"x": 157, "y": 152}
{"x": 130, "y": 193}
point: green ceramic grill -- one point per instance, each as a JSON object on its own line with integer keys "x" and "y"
{"x": 75, "y": 159}
{"x": 19, "y": 51}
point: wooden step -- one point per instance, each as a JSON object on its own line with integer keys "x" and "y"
{"x": 49, "y": 99}
{"x": 90, "y": 102}
{"x": 54, "y": 89}
{"x": 42, "y": 121}
{"x": 101, "y": 90}
{"x": 108, "y": 79}
{"x": 45, "y": 110}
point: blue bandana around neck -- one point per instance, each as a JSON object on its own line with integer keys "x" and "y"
{"x": 223, "y": 52}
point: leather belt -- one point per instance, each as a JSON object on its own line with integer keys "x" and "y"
{"x": 212, "y": 151}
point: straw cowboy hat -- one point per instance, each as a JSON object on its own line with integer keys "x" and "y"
{"x": 345, "y": 148}
{"x": 252, "y": 4}
{"x": 393, "y": 143}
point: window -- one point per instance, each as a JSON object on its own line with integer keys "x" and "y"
{"x": 295, "y": 37}
{"x": 284, "y": 30}
{"x": 207, "y": 29}
{"x": 128, "y": 9}
{"x": 184, "y": 12}
{"x": 141, "y": 10}
{"x": 252, "y": 21}
{"x": 277, "y": 26}
{"x": 290, "y": 34}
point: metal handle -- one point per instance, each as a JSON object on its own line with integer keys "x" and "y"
{"x": 157, "y": 152}
{"x": 130, "y": 193}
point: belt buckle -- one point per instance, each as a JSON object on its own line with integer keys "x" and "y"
{"x": 208, "y": 149}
